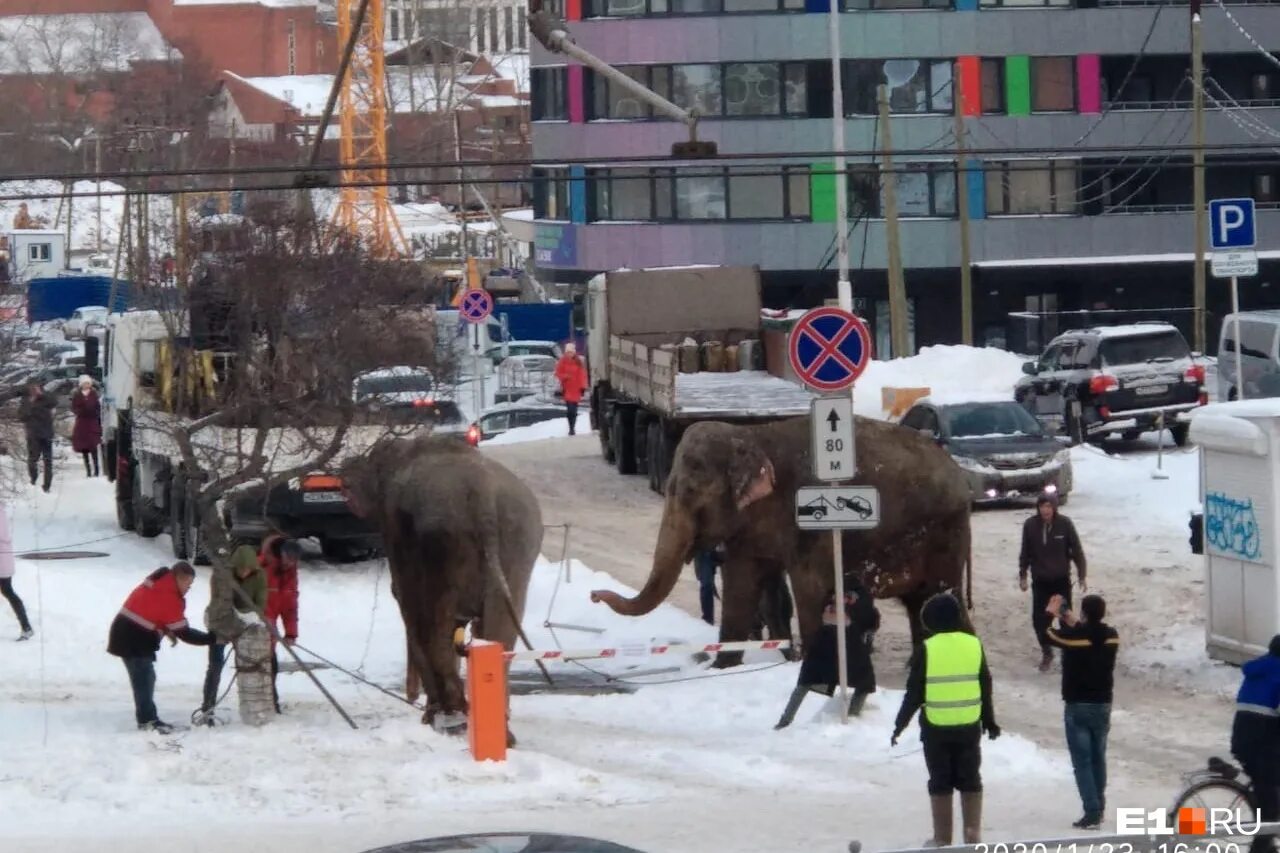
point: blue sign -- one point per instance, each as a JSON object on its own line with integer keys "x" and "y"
{"x": 829, "y": 349}
{"x": 1231, "y": 224}
{"x": 556, "y": 245}
{"x": 476, "y": 306}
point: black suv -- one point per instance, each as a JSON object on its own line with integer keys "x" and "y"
{"x": 1089, "y": 383}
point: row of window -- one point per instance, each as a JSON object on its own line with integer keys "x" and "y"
{"x": 661, "y": 8}
{"x": 924, "y": 189}
{"x": 802, "y": 89}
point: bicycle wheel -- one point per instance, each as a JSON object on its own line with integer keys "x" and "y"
{"x": 1217, "y": 793}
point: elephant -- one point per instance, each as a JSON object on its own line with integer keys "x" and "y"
{"x": 737, "y": 484}
{"x": 461, "y": 535}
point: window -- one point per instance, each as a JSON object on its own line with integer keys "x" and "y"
{"x": 493, "y": 30}
{"x": 847, "y": 5}
{"x": 550, "y": 94}
{"x": 752, "y": 89}
{"x": 926, "y": 189}
{"x": 795, "y": 81}
{"x": 694, "y": 7}
{"x": 700, "y": 197}
{"x": 616, "y": 8}
{"x": 1260, "y": 85}
{"x": 623, "y": 194}
{"x": 293, "y": 45}
{"x": 864, "y": 192}
{"x": 611, "y": 101}
{"x": 697, "y": 86}
{"x": 393, "y": 27}
{"x": 508, "y": 28}
{"x": 480, "y": 30}
{"x": 38, "y": 252}
{"x": 1264, "y": 187}
{"x": 797, "y": 192}
{"x": 1014, "y": 4}
{"x": 551, "y": 193}
{"x": 1032, "y": 186}
{"x": 993, "y": 86}
{"x": 1053, "y": 87}
{"x": 739, "y": 193}
{"x": 915, "y": 85}
{"x": 522, "y": 27}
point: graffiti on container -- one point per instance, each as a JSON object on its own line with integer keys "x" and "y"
{"x": 1231, "y": 526}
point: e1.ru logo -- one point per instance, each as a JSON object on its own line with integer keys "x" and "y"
{"x": 1190, "y": 821}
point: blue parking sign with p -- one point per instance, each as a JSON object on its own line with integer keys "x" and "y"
{"x": 1231, "y": 224}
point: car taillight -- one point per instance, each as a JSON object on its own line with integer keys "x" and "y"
{"x": 473, "y": 435}
{"x": 1102, "y": 383}
{"x": 1204, "y": 398}
{"x": 321, "y": 483}
{"x": 1195, "y": 373}
{"x": 423, "y": 403}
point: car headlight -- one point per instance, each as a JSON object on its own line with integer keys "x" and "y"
{"x": 969, "y": 463}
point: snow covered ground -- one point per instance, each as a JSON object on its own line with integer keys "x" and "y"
{"x": 687, "y": 763}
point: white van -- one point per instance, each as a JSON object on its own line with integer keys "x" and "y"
{"x": 1258, "y": 334}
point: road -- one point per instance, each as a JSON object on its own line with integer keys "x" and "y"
{"x": 1165, "y": 723}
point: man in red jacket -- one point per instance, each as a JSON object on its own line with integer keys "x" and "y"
{"x": 279, "y": 558}
{"x": 156, "y": 608}
{"x": 572, "y": 374}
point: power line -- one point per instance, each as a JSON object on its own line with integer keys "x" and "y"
{"x": 1270, "y": 57}
{"x": 1133, "y": 67}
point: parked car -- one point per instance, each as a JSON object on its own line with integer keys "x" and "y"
{"x": 527, "y": 411}
{"x": 1258, "y": 334}
{"x": 498, "y": 352}
{"x": 524, "y": 375}
{"x": 1002, "y": 449}
{"x": 77, "y": 325}
{"x": 1090, "y": 383}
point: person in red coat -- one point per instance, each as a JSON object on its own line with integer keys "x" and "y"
{"x": 279, "y": 559}
{"x": 156, "y": 608}
{"x": 572, "y": 374}
{"x": 87, "y": 435}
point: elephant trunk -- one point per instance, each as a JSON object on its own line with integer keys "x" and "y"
{"x": 675, "y": 544}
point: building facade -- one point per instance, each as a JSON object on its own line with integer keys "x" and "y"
{"x": 1078, "y": 192}
{"x": 482, "y": 26}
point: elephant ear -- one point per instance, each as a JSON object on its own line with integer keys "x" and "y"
{"x": 751, "y": 475}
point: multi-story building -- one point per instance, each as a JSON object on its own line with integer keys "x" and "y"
{"x": 1079, "y": 196}
{"x": 482, "y": 26}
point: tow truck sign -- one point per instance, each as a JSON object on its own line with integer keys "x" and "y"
{"x": 837, "y": 507}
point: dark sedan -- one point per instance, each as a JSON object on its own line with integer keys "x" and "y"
{"x": 1002, "y": 449}
{"x": 508, "y": 842}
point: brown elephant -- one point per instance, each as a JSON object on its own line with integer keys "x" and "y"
{"x": 737, "y": 485}
{"x": 461, "y": 534}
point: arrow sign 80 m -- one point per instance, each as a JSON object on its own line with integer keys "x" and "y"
{"x": 831, "y": 428}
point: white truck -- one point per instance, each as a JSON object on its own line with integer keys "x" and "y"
{"x": 140, "y": 372}
{"x": 648, "y": 335}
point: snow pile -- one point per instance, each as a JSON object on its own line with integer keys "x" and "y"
{"x": 942, "y": 369}
{"x": 554, "y": 428}
{"x": 1177, "y": 656}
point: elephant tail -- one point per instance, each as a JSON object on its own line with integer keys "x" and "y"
{"x": 968, "y": 577}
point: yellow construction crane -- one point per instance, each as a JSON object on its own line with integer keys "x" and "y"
{"x": 364, "y": 203}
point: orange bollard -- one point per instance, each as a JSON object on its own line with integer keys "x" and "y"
{"x": 487, "y": 700}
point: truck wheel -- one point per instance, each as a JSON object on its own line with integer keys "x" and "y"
{"x": 178, "y": 517}
{"x": 624, "y": 441}
{"x": 109, "y": 460}
{"x": 337, "y": 551}
{"x": 642, "y": 434}
{"x": 652, "y": 444}
{"x": 193, "y": 536}
{"x": 124, "y": 509}
{"x": 147, "y": 521}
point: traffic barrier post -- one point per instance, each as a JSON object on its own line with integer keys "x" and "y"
{"x": 487, "y": 701}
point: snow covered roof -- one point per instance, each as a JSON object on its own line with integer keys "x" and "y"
{"x": 271, "y": 4}
{"x": 307, "y": 93}
{"x": 1131, "y": 330}
{"x": 965, "y": 398}
{"x": 80, "y": 43}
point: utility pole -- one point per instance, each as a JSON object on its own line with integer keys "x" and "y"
{"x": 462, "y": 189}
{"x": 962, "y": 208}
{"x": 97, "y": 169}
{"x": 1197, "y": 172}
{"x": 889, "y": 181}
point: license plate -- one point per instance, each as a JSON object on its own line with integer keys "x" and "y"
{"x": 1151, "y": 390}
{"x": 322, "y": 498}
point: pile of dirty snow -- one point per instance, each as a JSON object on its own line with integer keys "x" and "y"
{"x": 554, "y": 428}
{"x": 943, "y": 370}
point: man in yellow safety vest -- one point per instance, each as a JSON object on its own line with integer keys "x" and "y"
{"x": 950, "y": 681}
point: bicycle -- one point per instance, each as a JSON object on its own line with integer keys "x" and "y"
{"x": 1218, "y": 777}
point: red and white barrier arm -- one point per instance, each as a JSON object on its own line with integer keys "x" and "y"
{"x": 644, "y": 650}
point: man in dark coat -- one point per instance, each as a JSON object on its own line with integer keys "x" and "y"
{"x": 1050, "y": 545}
{"x": 820, "y": 671}
{"x": 1255, "y": 735}
{"x": 36, "y": 414}
{"x": 950, "y": 684}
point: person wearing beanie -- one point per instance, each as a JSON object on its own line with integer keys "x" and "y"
{"x": 1089, "y": 647}
{"x": 572, "y": 376}
{"x": 1255, "y": 735}
{"x": 1050, "y": 545}
{"x": 237, "y": 594}
{"x": 950, "y": 685}
{"x": 86, "y": 437}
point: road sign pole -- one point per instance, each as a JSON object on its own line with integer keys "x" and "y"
{"x": 837, "y": 551}
{"x": 1235, "y": 309}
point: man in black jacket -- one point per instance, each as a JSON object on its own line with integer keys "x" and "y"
{"x": 1049, "y": 546}
{"x": 949, "y": 679}
{"x": 36, "y": 414}
{"x": 1089, "y": 648}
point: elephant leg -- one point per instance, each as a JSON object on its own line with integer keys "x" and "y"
{"x": 810, "y": 582}
{"x": 914, "y": 602}
{"x": 413, "y": 670}
{"x": 742, "y": 582}
{"x": 414, "y": 626}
